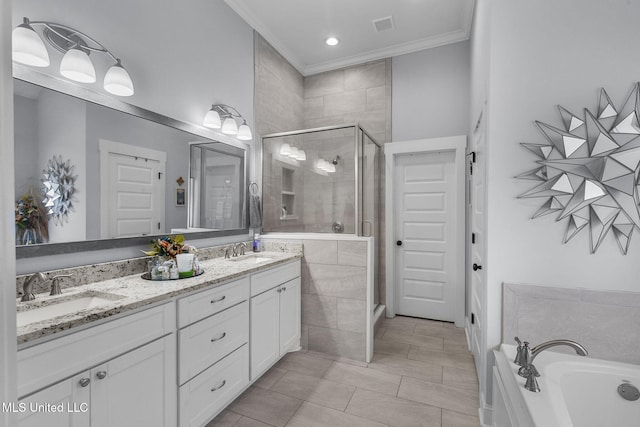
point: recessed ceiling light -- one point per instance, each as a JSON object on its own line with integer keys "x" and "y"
{"x": 332, "y": 41}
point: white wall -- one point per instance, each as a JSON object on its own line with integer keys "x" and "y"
{"x": 542, "y": 54}
{"x": 430, "y": 93}
{"x": 57, "y": 137}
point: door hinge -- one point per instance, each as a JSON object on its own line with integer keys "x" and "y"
{"x": 473, "y": 238}
{"x": 159, "y": 175}
{"x": 473, "y": 319}
{"x": 158, "y": 226}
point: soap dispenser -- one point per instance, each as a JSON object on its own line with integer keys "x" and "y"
{"x": 256, "y": 242}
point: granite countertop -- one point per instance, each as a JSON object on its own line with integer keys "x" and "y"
{"x": 132, "y": 292}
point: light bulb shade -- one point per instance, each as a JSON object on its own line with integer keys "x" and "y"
{"x": 302, "y": 156}
{"x": 295, "y": 153}
{"x": 27, "y": 46}
{"x": 212, "y": 119}
{"x": 331, "y": 168}
{"x": 229, "y": 126}
{"x": 77, "y": 66}
{"x": 244, "y": 132}
{"x": 322, "y": 165}
{"x": 117, "y": 81}
{"x": 285, "y": 149}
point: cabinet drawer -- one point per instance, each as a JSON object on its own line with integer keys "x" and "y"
{"x": 266, "y": 280}
{"x": 204, "y": 304}
{"x": 204, "y": 343}
{"x": 208, "y": 393}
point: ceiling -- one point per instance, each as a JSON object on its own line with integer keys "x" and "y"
{"x": 298, "y": 28}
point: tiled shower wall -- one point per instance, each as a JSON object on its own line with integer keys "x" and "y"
{"x": 286, "y": 101}
{"x": 356, "y": 94}
{"x": 334, "y": 297}
{"x": 278, "y": 91}
{"x": 362, "y": 94}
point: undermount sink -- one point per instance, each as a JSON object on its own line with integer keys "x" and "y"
{"x": 64, "y": 306}
{"x": 251, "y": 259}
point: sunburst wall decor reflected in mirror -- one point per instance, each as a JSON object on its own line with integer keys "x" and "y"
{"x": 58, "y": 187}
{"x": 589, "y": 171}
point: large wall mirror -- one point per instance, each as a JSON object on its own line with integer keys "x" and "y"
{"x": 118, "y": 174}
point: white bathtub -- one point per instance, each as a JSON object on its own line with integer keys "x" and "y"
{"x": 574, "y": 391}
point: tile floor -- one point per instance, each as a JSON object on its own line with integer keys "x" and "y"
{"x": 421, "y": 375}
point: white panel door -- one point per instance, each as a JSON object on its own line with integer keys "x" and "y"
{"x": 477, "y": 210}
{"x": 136, "y": 196}
{"x": 425, "y": 234}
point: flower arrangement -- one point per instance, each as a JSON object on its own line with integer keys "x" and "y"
{"x": 169, "y": 247}
{"x": 29, "y": 215}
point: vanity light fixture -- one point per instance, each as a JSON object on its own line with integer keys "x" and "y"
{"x": 292, "y": 152}
{"x": 222, "y": 116}
{"x": 29, "y": 48}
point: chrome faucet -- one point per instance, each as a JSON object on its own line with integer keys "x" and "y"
{"x": 55, "y": 286}
{"x": 27, "y": 286}
{"x": 242, "y": 246}
{"x": 528, "y": 369}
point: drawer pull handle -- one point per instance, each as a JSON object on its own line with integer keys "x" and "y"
{"x": 213, "y": 301}
{"x": 220, "y": 386}
{"x": 101, "y": 375}
{"x": 84, "y": 382}
{"x": 224, "y": 334}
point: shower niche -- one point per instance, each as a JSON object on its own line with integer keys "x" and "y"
{"x": 287, "y": 211}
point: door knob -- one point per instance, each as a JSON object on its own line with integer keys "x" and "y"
{"x": 101, "y": 375}
{"x": 476, "y": 267}
{"x": 399, "y": 243}
{"x": 84, "y": 382}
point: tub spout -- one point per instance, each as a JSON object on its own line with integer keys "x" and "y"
{"x": 579, "y": 349}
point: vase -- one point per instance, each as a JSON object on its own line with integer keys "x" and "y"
{"x": 30, "y": 237}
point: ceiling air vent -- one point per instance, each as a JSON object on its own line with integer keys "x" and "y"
{"x": 383, "y": 24}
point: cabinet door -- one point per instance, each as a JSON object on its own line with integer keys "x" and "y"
{"x": 264, "y": 331}
{"x": 69, "y": 399}
{"x": 290, "y": 316}
{"x": 138, "y": 388}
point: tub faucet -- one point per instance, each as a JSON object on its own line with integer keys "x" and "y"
{"x": 27, "y": 286}
{"x": 528, "y": 369}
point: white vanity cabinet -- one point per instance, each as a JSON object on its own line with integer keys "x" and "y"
{"x": 136, "y": 388}
{"x": 275, "y": 315}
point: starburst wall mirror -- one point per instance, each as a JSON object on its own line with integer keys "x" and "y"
{"x": 588, "y": 171}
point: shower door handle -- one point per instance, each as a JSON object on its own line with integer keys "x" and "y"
{"x": 399, "y": 243}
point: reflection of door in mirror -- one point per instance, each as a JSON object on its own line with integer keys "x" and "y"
{"x": 132, "y": 190}
{"x": 217, "y": 184}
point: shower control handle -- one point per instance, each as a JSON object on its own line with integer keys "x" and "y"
{"x": 399, "y": 243}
